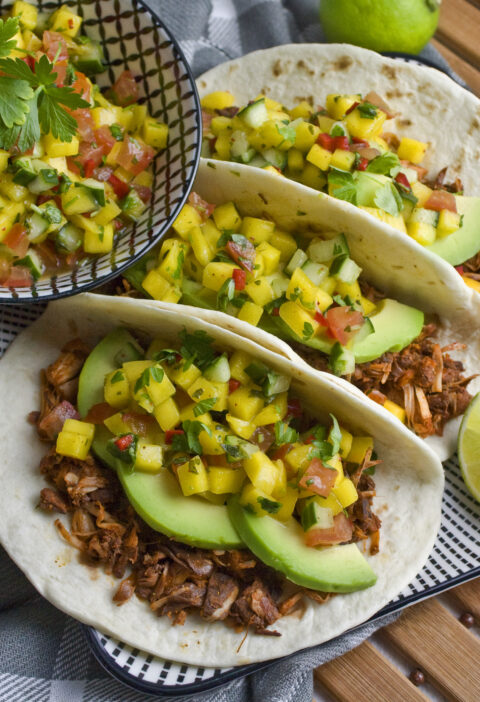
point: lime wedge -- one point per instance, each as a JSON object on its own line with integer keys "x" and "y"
{"x": 469, "y": 447}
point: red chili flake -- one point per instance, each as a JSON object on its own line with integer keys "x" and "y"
{"x": 341, "y": 142}
{"x": 121, "y": 189}
{"x": 240, "y": 278}
{"x": 124, "y": 442}
{"x": 233, "y": 385}
{"x": 326, "y": 141}
{"x": 321, "y": 319}
{"x": 362, "y": 164}
{"x": 459, "y": 269}
{"x": 170, "y": 433}
{"x": 71, "y": 23}
{"x": 352, "y": 107}
{"x": 276, "y": 311}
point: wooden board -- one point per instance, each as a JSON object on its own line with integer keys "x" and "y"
{"x": 458, "y": 29}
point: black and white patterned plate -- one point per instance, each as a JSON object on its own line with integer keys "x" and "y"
{"x": 134, "y": 37}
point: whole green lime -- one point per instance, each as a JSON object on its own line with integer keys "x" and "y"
{"x": 381, "y": 25}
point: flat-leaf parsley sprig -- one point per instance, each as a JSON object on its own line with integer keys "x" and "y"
{"x": 29, "y": 99}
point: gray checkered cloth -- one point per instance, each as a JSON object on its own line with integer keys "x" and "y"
{"x": 43, "y": 653}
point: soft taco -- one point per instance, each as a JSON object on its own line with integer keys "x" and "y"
{"x": 187, "y": 521}
{"x": 282, "y": 262}
{"x": 396, "y": 140}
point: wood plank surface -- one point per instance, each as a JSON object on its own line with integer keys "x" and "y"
{"x": 364, "y": 674}
{"x": 445, "y": 650}
{"x": 470, "y": 75}
{"x": 459, "y": 29}
{"x": 467, "y": 597}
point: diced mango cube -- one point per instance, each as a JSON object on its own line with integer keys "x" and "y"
{"x": 250, "y": 313}
{"x": 155, "y": 134}
{"x": 171, "y": 258}
{"x": 159, "y": 288}
{"x": 345, "y": 492}
{"x": 241, "y": 427}
{"x": 270, "y": 255}
{"x": 261, "y": 471}
{"x": 345, "y": 442}
{"x": 218, "y": 100}
{"x": 422, "y": 192}
{"x": 331, "y": 502}
{"x": 300, "y": 322}
{"x": 244, "y": 404}
{"x": 57, "y": 147}
{"x": 312, "y": 177}
{"x": 258, "y": 502}
{"x": 305, "y": 136}
{"x": 448, "y": 222}
{"x": 288, "y": 502}
{"x": 239, "y": 360}
{"x": 395, "y": 409}
{"x": 411, "y": 150}
{"x": 184, "y": 377}
{"x": 295, "y": 160}
{"x": 422, "y": 232}
{"x": 213, "y": 441}
{"x": 167, "y": 415}
{"x": 274, "y": 412}
{"x": 303, "y": 110}
{"x": 202, "y": 389}
{"x": 285, "y": 243}
{"x": 364, "y": 127}
{"x": 148, "y": 458}
{"x": 226, "y": 217}
{"x": 337, "y": 105}
{"x": 222, "y": 480}
{"x": 116, "y": 389}
{"x": 360, "y": 446}
{"x": 188, "y": 217}
{"x": 342, "y": 159}
{"x": 319, "y": 157}
{"x": 193, "y": 476}
{"x": 299, "y": 457}
{"x": 216, "y": 273}
{"x": 257, "y": 230}
{"x": 260, "y": 291}
{"x": 26, "y": 13}
{"x": 99, "y": 241}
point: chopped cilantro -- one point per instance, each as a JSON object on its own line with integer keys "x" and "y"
{"x": 117, "y": 377}
{"x": 307, "y": 332}
{"x": 116, "y": 131}
{"x": 197, "y": 348}
{"x": 347, "y": 189}
{"x": 269, "y": 506}
{"x": 388, "y": 198}
{"x": 154, "y": 372}
{"x": 385, "y": 164}
{"x": 204, "y": 406}
{"x": 367, "y": 110}
{"x": 225, "y": 294}
{"x": 284, "y": 434}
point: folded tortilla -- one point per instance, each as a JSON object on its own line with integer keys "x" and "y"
{"x": 409, "y": 491}
{"x": 431, "y": 107}
{"x": 424, "y": 281}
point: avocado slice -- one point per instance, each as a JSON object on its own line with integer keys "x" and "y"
{"x": 156, "y": 498}
{"x": 281, "y": 546}
{"x": 465, "y": 242}
{"x": 396, "y": 325}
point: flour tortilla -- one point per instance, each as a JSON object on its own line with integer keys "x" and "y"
{"x": 430, "y": 106}
{"x": 424, "y": 281}
{"x": 409, "y": 492}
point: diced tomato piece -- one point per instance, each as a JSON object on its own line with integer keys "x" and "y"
{"x": 135, "y": 156}
{"x": 362, "y": 164}
{"x": 124, "y": 442}
{"x": 139, "y": 423}
{"x": 46, "y": 251}
{"x": 104, "y": 138}
{"x": 339, "y": 533}
{"x": 318, "y": 478}
{"x": 422, "y": 172}
{"x": 72, "y": 259}
{"x": 441, "y": 200}
{"x": 118, "y": 224}
{"x": 321, "y": 319}
{"x": 377, "y": 396}
{"x": 280, "y": 453}
{"x": 206, "y": 120}
{"x": 88, "y": 152}
{"x": 17, "y": 240}
{"x": 60, "y": 68}
{"x": 403, "y": 180}
{"x": 82, "y": 86}
{"x": 243, "y": 253}
{"x": 233, "y": 385}
{"x": 120, "y": 188}
{"x": 144, "y": 193}
{"x": 358, "y": 140}
{"x": 263, "y": 437}
{"x": 125, "y": 90}
{"x": 203, "y": 207}
{"x": 459, "y": 269}
{"x": 85, "y": 124}
{"x": 294, "y": 407}
{"x": 343, "y": 323}
{"x": 170, "y": 433}
{"x": 326, "y": 141}
{"x": 102, "y": 173}
{"x": 100, "y": 412}
{"x": 55, "y": 46}
{"x": 20, "y": 276}
{"x": 240, "y": 278}
{"x": 352, "y": 107}
{"x": 89, "y": 167}
{"x": 341, "y": 142}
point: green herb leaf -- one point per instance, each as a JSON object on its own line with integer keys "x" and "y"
{"x": 14, "y": 97}
{"x": 284, "y": 434}
{"x": 385, "y": 164}
{"x": 197, "y": 348}
{"x": 225, "y": 294}
{"x": 117, "y": 377}
{"x": 367, "y": 110}
{"x": 287, "y": 132}
{"x": 8, "y": 28}
{"x": 154, "y": 372}
{"x": 335, "y": 435}
{"x": 307, "y": 331}
{"x": 387, "y": 198}
{"x": 116, "y": 131}
{"x": 204, "y": 406}
{"x": 269, "y": 506}
{"x": 347, "y": 188}
{"x": 189, "y": 441}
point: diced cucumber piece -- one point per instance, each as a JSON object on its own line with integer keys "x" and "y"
{"x": 339, "y": 129}
{"x": 240, "y": 149}
{"x": 345, "y": 269}
{"x": 46, "y": 179}
{"x": 254, "y": 114}
{"x": 420, "y": 214}
{"x": 96, "y": 188}
{"x": 87, "y": 56}
{"x": 275, "y": 157}
{"x": 238, "y": 449}
{"x": 342, "y": 360}
{"x": 314, "y": 516}
{"x": 132, "y": 206}
{"x": 322, "y": 251}
{"x": 25, "y": 171}
{"x": 297, "y": 261}
{"x": 257, "y": 371}
{"x": 78, "y": 200}
{"x": 36, "y": 227}
{"x": 32, "y": 261}
{"x": 68, "y": 239}
{"x": 317, "y": 272}
{"x": 278, "y": 282}
{"x": 258, "y": 162}
{"x": 219, "y": 370}
{"x": 411, "y": 173}
{"x": 275, "y": 383}
{"x": 365, "y": 330}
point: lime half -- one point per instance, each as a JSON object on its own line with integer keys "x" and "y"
{"x": 469, "y": 447}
